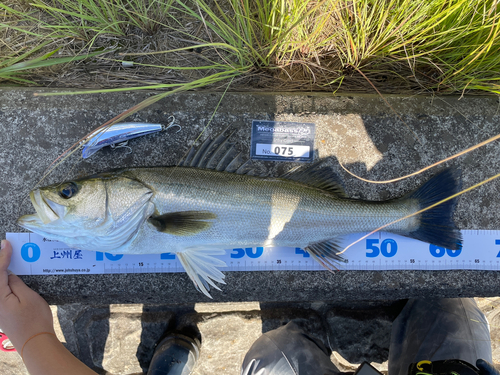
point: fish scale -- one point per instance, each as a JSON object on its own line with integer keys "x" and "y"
{"x": 247, "y": 208}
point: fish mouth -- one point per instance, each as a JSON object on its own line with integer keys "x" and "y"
{"x": 47, "y": 210}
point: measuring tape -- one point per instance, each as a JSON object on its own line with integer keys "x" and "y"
{"x": 36, "y": 255}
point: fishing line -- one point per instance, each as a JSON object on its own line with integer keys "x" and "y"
{"x": 428, "y": 167}
{"x": 145, "y": 103}
{"x": 489, "y": 140}
{"x": 422, "y": 210}
{"x": 209, "y": 122}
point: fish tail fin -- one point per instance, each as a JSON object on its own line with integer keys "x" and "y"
{"x": 201, "y": 267}
{"x": 436, "y": 224}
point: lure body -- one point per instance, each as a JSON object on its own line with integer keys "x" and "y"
{"x": 118, "y": 133}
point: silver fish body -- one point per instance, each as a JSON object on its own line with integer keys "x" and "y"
{"x": 256, "y": 211}
{"x": 196, "y": 213}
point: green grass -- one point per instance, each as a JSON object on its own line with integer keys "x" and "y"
{"x": 88, "y": 19}
{"x": 438, "y": 46}
{"x": 13, "y": 67}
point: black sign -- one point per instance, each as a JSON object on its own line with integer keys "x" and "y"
{"x": 282, "y": 141}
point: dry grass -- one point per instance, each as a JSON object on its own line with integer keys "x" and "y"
{"x": 399, "y": 46}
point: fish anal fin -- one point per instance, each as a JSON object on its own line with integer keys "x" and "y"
{"x": 321, "y": 178}
{"x": 183, "y": 223}
{"x": 325, "y": 253}
{"x": 202, "y": 268}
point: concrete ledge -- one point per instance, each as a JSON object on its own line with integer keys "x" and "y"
{"x": 360, "y": 131}
{"x": 276, "y": 286}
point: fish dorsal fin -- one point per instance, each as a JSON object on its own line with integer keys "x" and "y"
{"x": 204, "y": 155}
{"x": 321, "y": 178}
{"x": 184, "y": 223}
{"x": 325, "y": 253}
{"x": 218, "y": 154}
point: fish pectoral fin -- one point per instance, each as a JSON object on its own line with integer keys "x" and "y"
{"x": 201, "y": 267}
{"x": 325, "y": 253}
{"x": 183, "y": 223}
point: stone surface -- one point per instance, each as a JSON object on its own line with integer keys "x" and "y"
{"x": 360, "y": 131}
{"x": 267, "y": 286}
{"x": 489, "y": 306}
{"x": 120, "y": 339}
{"x": 111, "y": 322}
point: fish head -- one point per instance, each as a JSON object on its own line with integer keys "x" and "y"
{"x": 99, "y": 212}
{"x": 74, "y": 202}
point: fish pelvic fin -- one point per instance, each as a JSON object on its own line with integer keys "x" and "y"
{"x": 325, "y": 253}
{"x": 201, "y": 267}
{"x": 436, "y": 224}
{"x": 184, "y": 223}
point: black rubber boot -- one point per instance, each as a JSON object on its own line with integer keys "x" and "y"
{"x": 176, "y": 354}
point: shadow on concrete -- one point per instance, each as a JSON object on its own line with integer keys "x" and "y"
{"x": 362, "y": 333}
{"x": 86, "y": 337}
{"x": 105, "y": 338}
{"x": 358, "y": 331}
{"x": 159, "y": 320}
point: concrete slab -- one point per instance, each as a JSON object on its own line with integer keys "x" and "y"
{"x": 360, "y": 131}
{"x": 119, "y": 339}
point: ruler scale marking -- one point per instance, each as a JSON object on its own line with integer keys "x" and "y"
{"x": 35, "y": 255}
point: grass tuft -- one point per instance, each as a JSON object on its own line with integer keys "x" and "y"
{"x": 398, "y": 46}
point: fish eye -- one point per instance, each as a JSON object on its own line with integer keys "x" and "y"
{"x": 68, "y": 190}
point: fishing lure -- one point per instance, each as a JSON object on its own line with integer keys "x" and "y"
{"x": 118, "y": 135}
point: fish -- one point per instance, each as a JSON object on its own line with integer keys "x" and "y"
{"x": 118, "y": 135}
{"x": 214, "y": 200}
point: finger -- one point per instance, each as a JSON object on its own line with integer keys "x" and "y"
{"x": 5, "y": 255}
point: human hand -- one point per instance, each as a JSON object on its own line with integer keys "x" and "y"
{"x": 23, "y": 312}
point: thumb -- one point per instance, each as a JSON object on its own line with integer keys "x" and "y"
{"x": 5, "y": 254}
